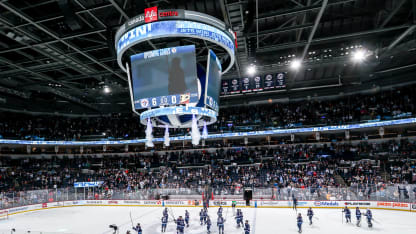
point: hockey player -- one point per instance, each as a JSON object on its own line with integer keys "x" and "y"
{"x": 164, "y": 223}
{"x": 247, "y": 228}
{"x": 205, "y": 215}
{"x": 220, "y": 224}
{"x": 347, "y": 214}
{"x": 208, "y": 224}
{"x": 138, "y": 228}
{"x": 239, "y": 218}
{"x": 369, "y": 216}
{"x": 180, "y": 225}
{"x": 165, "y": 212}
{"x": 310, "y": 215}
{"x": 201, "y": 216}
{"x": 187, "y": 218}
{"x": 295, "y": 202}
{"x": 219, "y": 211}
{"x": 299, "y": 221}
{"x": 358, "y": 216}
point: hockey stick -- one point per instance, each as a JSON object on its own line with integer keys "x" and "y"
{"x": 171, "y": 212}
{"x": 131, "y": 220}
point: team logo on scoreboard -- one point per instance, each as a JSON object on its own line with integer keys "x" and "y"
{"x": 144, "y": 102}
{"x": 150, "y": 14}
{"x": 185, "y": 98}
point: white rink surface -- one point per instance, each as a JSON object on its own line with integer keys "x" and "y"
{"x": 91, "y": 220}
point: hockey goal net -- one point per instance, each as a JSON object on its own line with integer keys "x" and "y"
{"x": 4, "y": 214}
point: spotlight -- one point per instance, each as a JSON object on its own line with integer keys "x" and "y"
{"x": 251, "y": 70}
{"x": 358, "y": 55}
{"x": 106, "y": 89}
{"x": 295, "y": 64}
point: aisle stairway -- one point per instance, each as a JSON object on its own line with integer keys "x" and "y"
{"x": 339, "y": 180}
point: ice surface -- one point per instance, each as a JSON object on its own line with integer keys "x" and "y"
{"x": 92, "y": 220}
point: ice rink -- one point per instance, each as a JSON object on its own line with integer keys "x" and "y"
{"x": 262, "y": 220}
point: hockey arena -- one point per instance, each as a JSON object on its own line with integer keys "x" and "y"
{"x": 207, "y": 116}
{"x": 262, "y": 220}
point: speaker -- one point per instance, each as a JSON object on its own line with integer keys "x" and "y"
{"x": 70, "y": 18}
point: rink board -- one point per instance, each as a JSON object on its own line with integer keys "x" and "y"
{"x": 398, "y": 206}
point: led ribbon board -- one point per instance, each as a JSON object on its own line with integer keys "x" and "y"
{"x": 209, "y": 114}
{"x": 194, "y": 25}
{"x": 221, "y": 135}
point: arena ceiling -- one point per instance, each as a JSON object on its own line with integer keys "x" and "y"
{"x": 58, "y": 55}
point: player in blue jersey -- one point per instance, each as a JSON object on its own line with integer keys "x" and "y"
{"x": 247, "y": 228}
{"x": 209, "y": 224}
{"x": 180, "y": 225}
{"x": 239, "y": 218}
{"x": 165, "y": 212}
{"x": 205, "y": 215}
{"x": 138, "y": 229}
{"x": 299, "y": 221}
{"x": 347, "y": 214}
{"x": 219, "y": 211}
{"x": 369, "y": 216}
{"x": 164, "y": 223}
{"x": 201, "y": 216}
{"x": 220, "y": 224}
{"x": 310, "y": 215}
{"x": 295, "y": 202}
{"x": 358, "y": 216}
{"x": 187, "y": 218}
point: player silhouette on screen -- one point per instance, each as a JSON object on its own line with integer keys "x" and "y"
{"x": 176, "y": 78}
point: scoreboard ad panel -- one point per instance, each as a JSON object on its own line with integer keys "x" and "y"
{"x": 213, "y": 81}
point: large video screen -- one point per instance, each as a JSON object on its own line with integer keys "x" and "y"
{"x": 213, "y": 81}
{"x": 164, "y": 77}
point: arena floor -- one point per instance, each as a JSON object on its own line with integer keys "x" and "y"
{"x": 263, "y": 220}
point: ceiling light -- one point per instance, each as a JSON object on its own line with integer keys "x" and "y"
{"x": 251, "y": 70}
{"x": 358, "y": 56}
{"x": 295, "y": 64}
{"x": 106, "y": 89}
